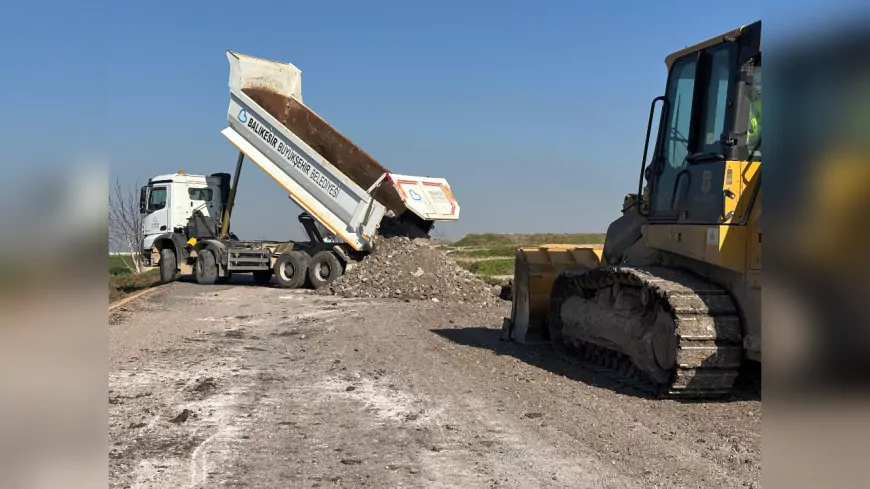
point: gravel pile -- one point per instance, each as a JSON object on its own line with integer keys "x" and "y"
{"x": 402, "y": 268}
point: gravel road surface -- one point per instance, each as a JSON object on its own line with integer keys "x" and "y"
{"x": 243, "y": 386}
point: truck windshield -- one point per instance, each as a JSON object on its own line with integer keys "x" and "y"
{"x": 143, "y": 196}
{"x": 157, "y": 199}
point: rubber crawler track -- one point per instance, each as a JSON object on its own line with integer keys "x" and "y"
{"x": 705, "y": 320}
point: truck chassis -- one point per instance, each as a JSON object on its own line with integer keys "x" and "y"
{"x": 294, "y": 264}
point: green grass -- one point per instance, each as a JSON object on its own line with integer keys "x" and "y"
{"x": 122, "y": 282}
{"x": 493, "y": 280}
{"x": 116, "y": 265}
{"x": 496, "y": 267}
{"x": 121, "y": 286}
{"x": 491, "y": 240}
{"x": 495, "y": 252}
{"x": 507, "y": 251}
{"x": 490, "y": 267}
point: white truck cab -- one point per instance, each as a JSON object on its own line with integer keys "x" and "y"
{"x": 168, "y": 202}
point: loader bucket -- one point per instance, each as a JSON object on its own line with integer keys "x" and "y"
{"x": 535, "y": 270}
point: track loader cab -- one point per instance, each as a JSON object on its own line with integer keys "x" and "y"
{"x": 672, "y": 302}
{"x": 707, "y": 153}
{"x": 702, "y": 212}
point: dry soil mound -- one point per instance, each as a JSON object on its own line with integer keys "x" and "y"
{"x": 412, "y": 269}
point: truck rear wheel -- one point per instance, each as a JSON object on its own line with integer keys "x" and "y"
{"x": 168, "y": 265}
{"x": 324, "y": 268}
{"x": 206, "y": 268}
{"x": 290, "y": 269}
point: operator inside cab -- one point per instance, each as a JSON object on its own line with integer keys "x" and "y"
{"x": 753, "y": 136}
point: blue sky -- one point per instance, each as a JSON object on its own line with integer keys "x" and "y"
{"x": 534, "y": 111}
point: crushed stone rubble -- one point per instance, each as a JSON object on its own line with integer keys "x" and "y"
{"x": 402, "y": 268}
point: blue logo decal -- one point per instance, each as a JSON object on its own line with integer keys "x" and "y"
{"x": 415, "y": 195}
{"x": 243, "y": 116}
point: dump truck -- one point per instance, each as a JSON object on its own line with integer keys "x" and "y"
{"x": 347, "y": 197}
{"x": 671, "y": 303}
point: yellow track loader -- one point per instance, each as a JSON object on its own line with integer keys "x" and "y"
{"x": 672, "y": 300}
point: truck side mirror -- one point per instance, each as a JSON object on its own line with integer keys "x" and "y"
{"x": 143, "y": 199}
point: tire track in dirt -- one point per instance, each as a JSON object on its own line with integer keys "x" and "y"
{"x": 211, "y": 395}
{"x": 301, "y": 390}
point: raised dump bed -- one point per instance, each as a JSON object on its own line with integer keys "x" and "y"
{"x": 333, "y": 179}
{"x": 341, "y": 152}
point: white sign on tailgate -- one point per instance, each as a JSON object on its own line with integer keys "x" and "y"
{"x": 429, "y": 198}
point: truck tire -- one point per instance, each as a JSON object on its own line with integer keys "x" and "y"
{"x": 291, "y": 269}
{"x": 262, "y": 277}
{"x": 168, "y": 265}
{"x": 206, "y": 268}
{"x": 324, "y": 268}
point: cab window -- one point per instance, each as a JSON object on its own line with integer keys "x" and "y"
{"x": 675, "y": 134}
{"x": 722, "y": 62}
{"x": 753, "y": 141}
{"x": 200, "y": 194}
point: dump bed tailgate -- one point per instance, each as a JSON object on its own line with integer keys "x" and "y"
{"x": 429, "y": 198}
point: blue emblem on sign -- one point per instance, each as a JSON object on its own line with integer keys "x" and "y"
{"x": 243, "y": 116}
{"x": 415, "y": 195}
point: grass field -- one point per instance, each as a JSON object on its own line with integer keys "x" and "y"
{"x": 491, "y": 256}
{"x": 123, "y": 283}
{"x": 492, "y": 268}
{"x": 116, "y": 265}
{"x": 495, "y": 252}
{"x": 490, "y": 240}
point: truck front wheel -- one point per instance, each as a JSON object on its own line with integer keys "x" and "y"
{"x": 290, "y": 269}
{"x": 168, "y": 265}
{"x": 206, "y": 268}
{"x": 325, "y": 267}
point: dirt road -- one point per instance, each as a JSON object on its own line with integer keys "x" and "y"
{"x": 237, "y": 386}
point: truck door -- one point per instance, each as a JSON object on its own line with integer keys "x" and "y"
{"x": 156, "y": 219}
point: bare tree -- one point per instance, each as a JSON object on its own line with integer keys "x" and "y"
{"x": 125, "y": 224}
